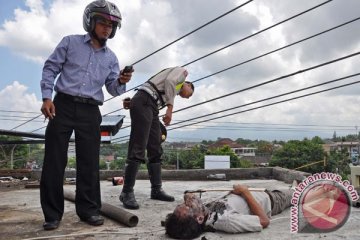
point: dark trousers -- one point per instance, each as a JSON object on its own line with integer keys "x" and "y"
{"x": 84, "y": 120}
{"x": 145, "y": 129}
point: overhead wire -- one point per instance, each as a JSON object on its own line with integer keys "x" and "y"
{"x": 269, "y": 98}
{"x": 263, "y": 55}
{"x": 239, "y": 40}
{"x": 270, "y": 104}
{"x": 191, "y": 32}
{"x": 187, "y": 34}
{"x": 254, "y": 34}
{"x": 247, "y": 37}
{"x": 271, "y": 81}
{"x": 267, "y": 82}
{"x": 258, "y": 101}
{"x": 278, "y": 49}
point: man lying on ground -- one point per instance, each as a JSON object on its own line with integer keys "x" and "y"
{"x": 237, "y": 212}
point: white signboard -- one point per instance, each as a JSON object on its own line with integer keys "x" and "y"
{"x": 217, "y": 162}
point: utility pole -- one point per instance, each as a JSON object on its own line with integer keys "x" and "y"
{"x": 357, "y": 138}
{"x": 177, "y": 160}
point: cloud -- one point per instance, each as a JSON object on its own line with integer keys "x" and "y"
{"x": 149, "y": 25}
{"x": 22, "y": 106}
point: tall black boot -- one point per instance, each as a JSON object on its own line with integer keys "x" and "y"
{"x": 157, "y": 192}
{"x": 127, "y": 196}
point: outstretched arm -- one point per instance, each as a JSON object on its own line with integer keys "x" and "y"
{"x": 254, "y": 206}
{"x": 168, "y": 115}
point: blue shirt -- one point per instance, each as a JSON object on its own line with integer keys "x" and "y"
{"x": 82, "y": 70}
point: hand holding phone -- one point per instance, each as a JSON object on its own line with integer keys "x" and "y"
{"x": 128, "y": 69}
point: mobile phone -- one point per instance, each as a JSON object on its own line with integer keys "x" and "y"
{"x": 128, "y": 69}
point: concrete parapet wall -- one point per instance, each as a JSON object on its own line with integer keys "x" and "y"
{"x": 281, "y": 174}
{"x": 288, "y": 175}
{"x": 278, "y": 173}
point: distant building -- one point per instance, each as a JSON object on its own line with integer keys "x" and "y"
{"x": 239, "y": 149}
{"x": 351, "y": 147}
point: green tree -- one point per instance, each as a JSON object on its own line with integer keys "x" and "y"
{"x": 12, "y": 155}
{"x": 102, "y": 165}
{"x": 191, "y": 159}
{"x": 297, "y": 153}
{"x": 338, "y": 162}
{"x": 71, "y": 163}
{"x": 235, "y": 162}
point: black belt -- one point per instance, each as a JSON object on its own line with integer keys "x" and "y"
{"x": 78, "y": 99}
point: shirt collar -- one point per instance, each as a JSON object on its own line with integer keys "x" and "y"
{"x": 87, "y": 39}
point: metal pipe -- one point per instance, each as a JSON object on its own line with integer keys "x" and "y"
{"x": 110, "y": 211}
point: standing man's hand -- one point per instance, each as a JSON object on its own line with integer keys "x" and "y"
{"x": 125, "y": 76}
{"x": 48, "y": 109}
{"x": 168, "y": 115}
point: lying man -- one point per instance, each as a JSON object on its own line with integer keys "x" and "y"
{"x": 239, "y": 211}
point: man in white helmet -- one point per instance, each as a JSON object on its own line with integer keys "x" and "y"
{"x": 82, "y": 64}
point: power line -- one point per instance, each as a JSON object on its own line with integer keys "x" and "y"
{"x": 270, "y": 104}
{"x": 254, "y": 34}
{"x": 191, "y": 32}
{"x": 267, "y": 82}
{"x": 249, "y": 36}
{"x": 16, "y": 111}
{"x": 26, "y": 122}
{"x": 276, "y": 50}
{"x": 269, "y": 98}
{"x": 260, "y": 56}
{"x": 270, "y": 81}
{"x": 258, "y": 101}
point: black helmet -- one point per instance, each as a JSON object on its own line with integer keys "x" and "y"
{"x": 101, "y": 9}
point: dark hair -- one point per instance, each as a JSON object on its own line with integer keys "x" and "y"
{"x": 191, "y": 85}
{"x": 182, "y": 228}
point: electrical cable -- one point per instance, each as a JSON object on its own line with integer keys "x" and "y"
{"x": 191, "y": 32}
{"x": 269, "y": 98}
{"x": 267, "y": 105}
{"x": 254, "y": 34}
{"x": 260, "y": 56}
{"x": 178, "y": 39}
{"x": 276, "y": 50}
{"x": 26, "y": 122}
{"x": 266, "y": 82}
{"x": 271, "y": 81}
{"x": 247, "y": 37}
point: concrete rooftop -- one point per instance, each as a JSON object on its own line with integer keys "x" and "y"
{"x": 21, "y": 215}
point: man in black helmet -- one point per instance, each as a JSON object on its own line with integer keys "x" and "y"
{"x": 83, "y": 65}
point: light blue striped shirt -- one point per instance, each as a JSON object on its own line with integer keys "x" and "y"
{"x": 82, "y": 70}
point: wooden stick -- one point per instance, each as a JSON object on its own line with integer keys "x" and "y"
{"x": 223, "y": 190}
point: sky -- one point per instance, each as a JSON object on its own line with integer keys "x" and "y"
{"x": 31, "y": 29}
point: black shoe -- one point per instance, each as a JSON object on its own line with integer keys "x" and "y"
{"x": 51, "y": 225}
{"x": 159, "y": 194}
{"x": 95, "y": 220}
{"x": 128, "y": 200}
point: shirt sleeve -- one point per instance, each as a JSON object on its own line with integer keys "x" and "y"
{"x": 112, "y": 84}
{"x": 176, "y": 76}
{"x": 52, "y": 67}
{"x": 237, "y": 223}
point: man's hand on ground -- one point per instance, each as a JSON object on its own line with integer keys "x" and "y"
{"x": 240, "y": 189}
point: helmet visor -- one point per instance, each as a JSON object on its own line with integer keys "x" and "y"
{"x": 105, "y": 16}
